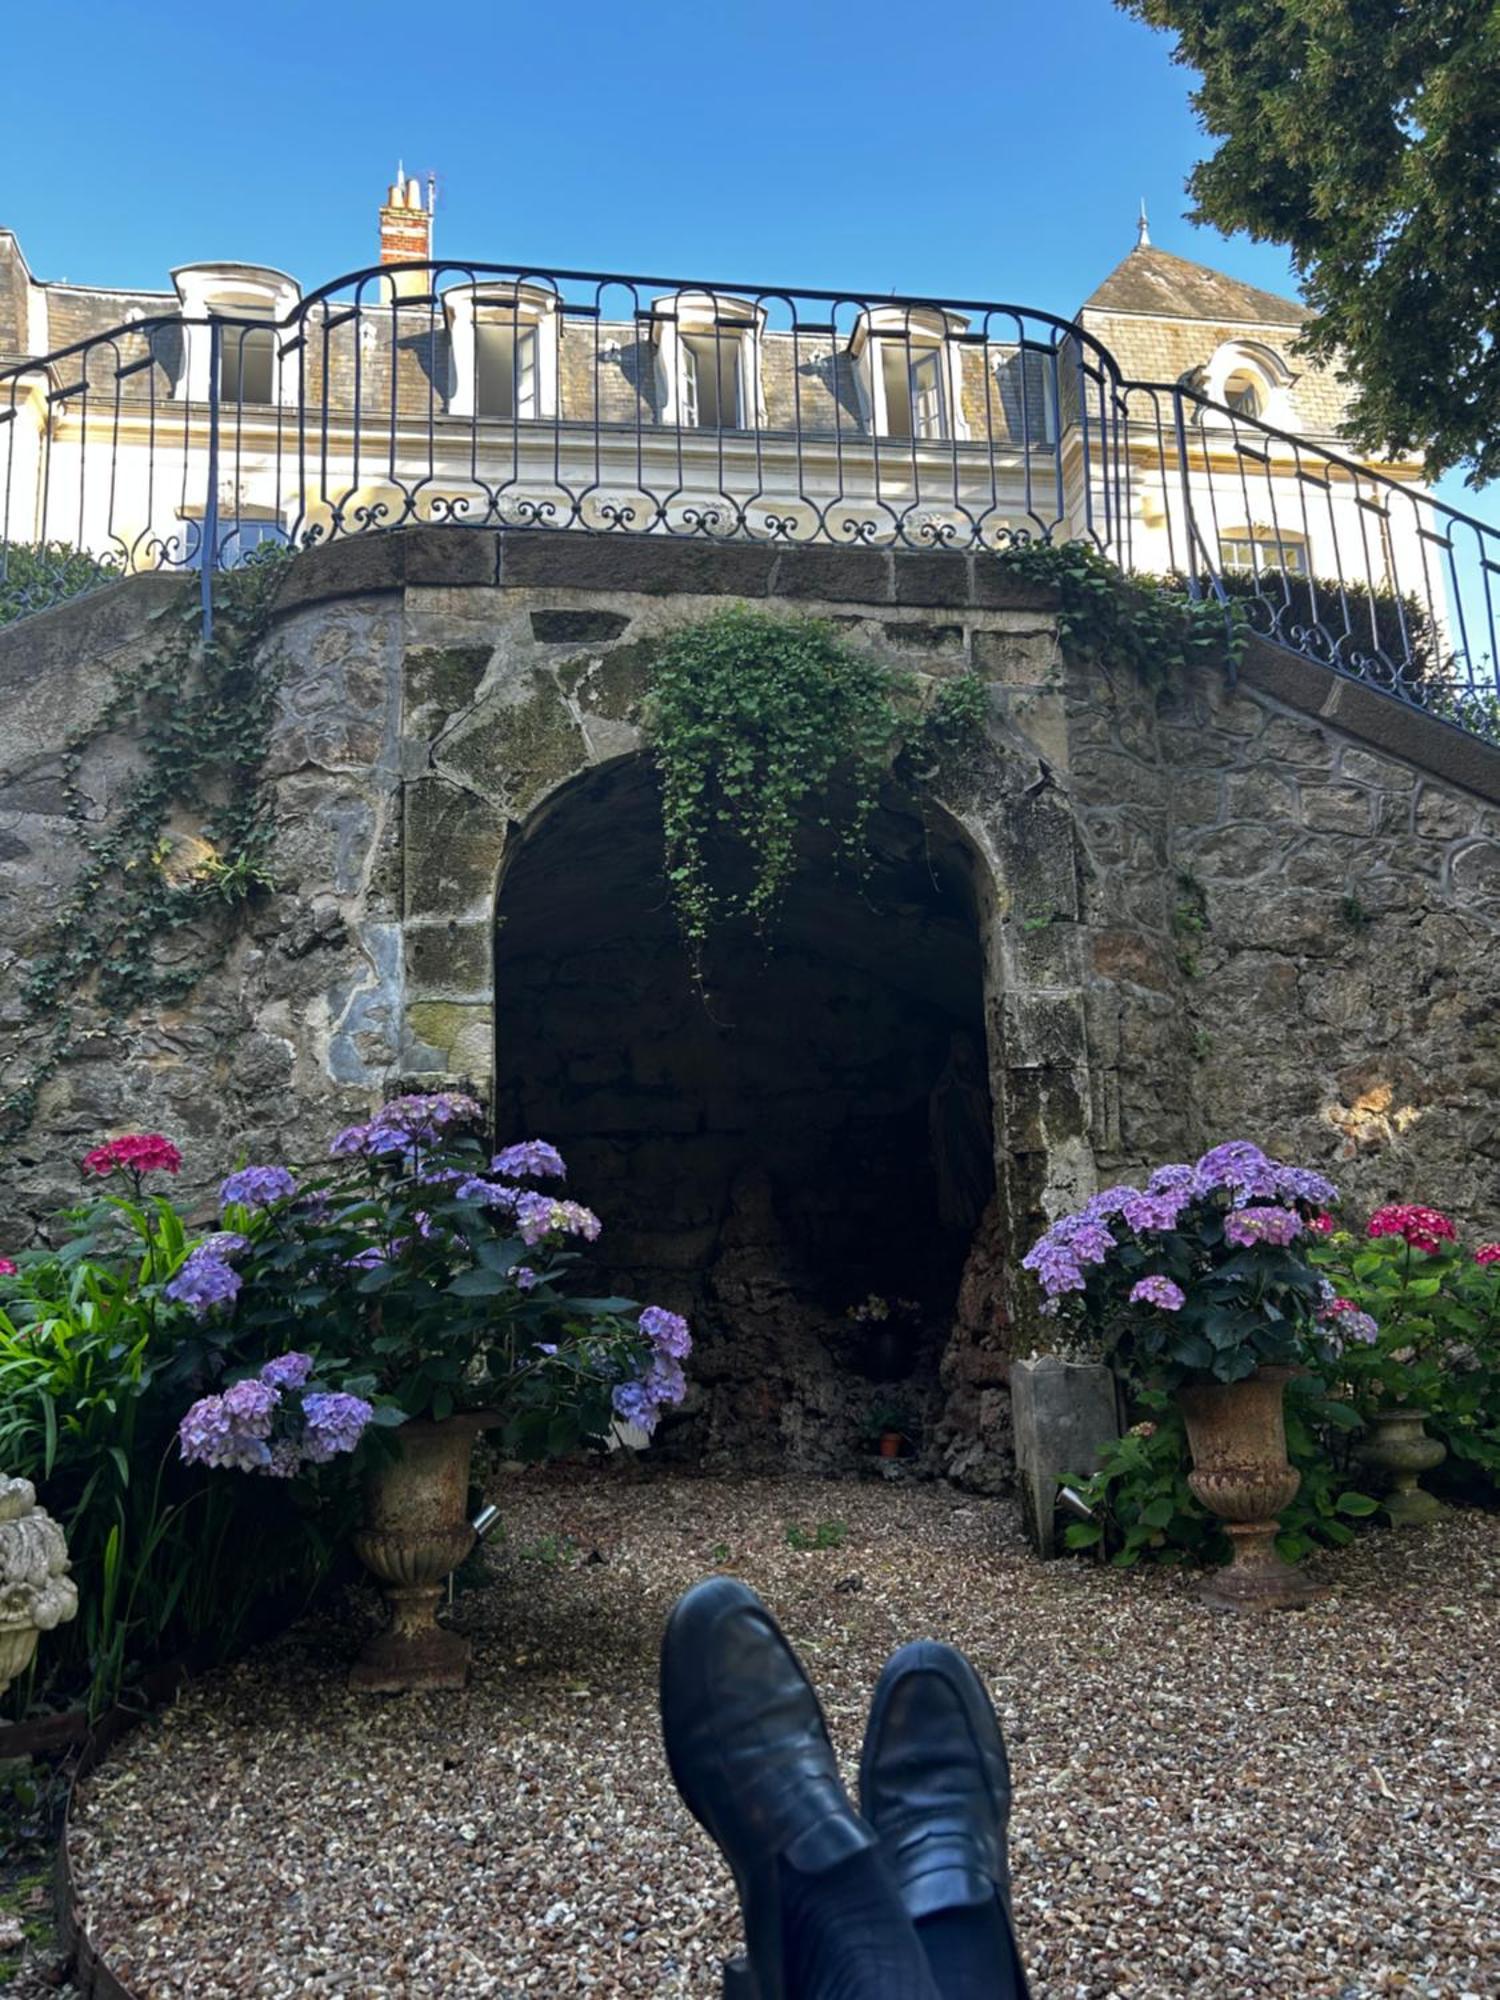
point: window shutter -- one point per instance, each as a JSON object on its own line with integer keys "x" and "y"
{"x": 687, "y": 386}
{"x": 526, "y": 396}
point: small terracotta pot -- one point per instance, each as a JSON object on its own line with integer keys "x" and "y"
{"x": 890, "y": 1444}
{"x": 1399, "y": 1446}
{"x": 416, "y": 1531}
{"x": 1237, "y": 1433}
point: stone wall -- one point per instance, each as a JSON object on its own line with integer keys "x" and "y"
{"x": 1268, "y": 910}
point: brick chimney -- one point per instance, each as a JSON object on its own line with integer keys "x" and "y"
{"x": 406, "y": 233}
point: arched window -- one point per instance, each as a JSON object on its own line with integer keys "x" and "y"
{"x": 1242, "y": 395}
{"x": 1248, "y": 379}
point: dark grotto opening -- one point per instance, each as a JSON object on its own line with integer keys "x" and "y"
{"x": 797, "y": 1155}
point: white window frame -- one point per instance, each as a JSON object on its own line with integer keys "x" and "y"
{"x": 904, "y": 333}
{"x": 528, "y": 311}
{"x": 1262, "y": 369}
{"x": 1258, "y": 552}
{"x": 738, "y": 324}
{"x": 252, "y": 291}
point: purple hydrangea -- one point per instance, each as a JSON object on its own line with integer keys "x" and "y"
{"x": 228, "y": 1431}
{"x": 634, "y": 1403}
{"x": 1248, "y": 1226}
{"x": 1165, "y": 1179}
{"x": 539, "y": 1215}
{"x": 532, "y": 1159}
{"x": 1358, "y": 1326}
{"x": 1100, "y": 1207}
{"x": 1056, "y": 1268}
{"x": 224, "y": 1244}
{"x": 333, "y": 1422}
{"x": 203, "y": 1434}
{"x": 250, "y": 1405}
{"x": 1157, "y": 1291}
{"x": 425, "y": 1114}
{"x": 204, "y": 1282}
{"x": 665, "y": 1379}
{"x": 257, "y": 1187}
{"x": 1149, "y": 1212}
{"x": 547, "y": 1347}
{"x": 526, "y": 1279}
{"x": 1302, "y": 1184}
{"x": 1237, "y": 1166}
{"x": 491, "y": 1193}
{"x": 667, "y": 1332}
{"x": 1089, "y": 1241}
{"x": 287, "y": 1371}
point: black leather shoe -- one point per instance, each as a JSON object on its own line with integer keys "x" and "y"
{"x": 749, "y": 1752}
{"x": 934, "y": 1782}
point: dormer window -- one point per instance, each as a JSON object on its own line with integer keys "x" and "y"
{"x": 709, "y": 391}
{"x": 1249, "y": 379}
{"x": 247, "y": 361}
{"x": 911, "y": 371}
{"x": 252, "y": 304}
{"x": 1242, "y": 396}
{"x": 503, "y": 348}
{"x": 708, "y": 358}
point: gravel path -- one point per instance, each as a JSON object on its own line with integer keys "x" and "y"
{"x": 1301, "y": 1806}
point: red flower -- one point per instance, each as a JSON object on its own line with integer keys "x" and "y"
{"x": 7, "y": 1268}
{"x": 1487, "y": 1253}
{"x": 136, "y": 1153}
{"x": 1423, "y": 1228}
{"x": 1322, "y": 1223}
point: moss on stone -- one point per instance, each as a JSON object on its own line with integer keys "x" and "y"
{"x": 612, "y": 684}
{"x": 521, "y": 749}
{"x": 446, "y": 676}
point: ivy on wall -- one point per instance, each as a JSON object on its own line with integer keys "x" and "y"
{"x": 755, "y": 721}
{"x": 150, "y": 910}
{"x": 1146, "y": 623}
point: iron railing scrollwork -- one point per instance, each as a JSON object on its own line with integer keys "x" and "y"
{"x": 458, "y": 394}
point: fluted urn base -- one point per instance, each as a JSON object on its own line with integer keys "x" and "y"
{"x": 416, "y": 1531}
{"x": 1398, "y": 1446}
{"x": 1240, "y": 1472}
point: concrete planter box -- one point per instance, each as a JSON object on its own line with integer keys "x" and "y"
{"x": 1064, "y": 1411}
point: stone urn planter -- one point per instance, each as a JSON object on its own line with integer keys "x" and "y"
{"x": 1398, "y": 1446}
{"x": 1237, "y": 1434}
{"x": 416, "y": 1531}
{"x": 36, "y": 1591}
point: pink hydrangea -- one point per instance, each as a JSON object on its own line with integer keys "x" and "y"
{"x": 1423, "y": 1228}
{"x": 1487, "y": 1253}
{"x": 135, "y": 1153}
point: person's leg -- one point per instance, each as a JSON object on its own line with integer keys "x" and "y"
{"x": 935, "y": 1785}
{"x": 749, "y": 1752}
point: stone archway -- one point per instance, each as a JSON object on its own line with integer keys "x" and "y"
{"x": 812, "y": 1128}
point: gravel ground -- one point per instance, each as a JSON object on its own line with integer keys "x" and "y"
{"x": 1299, "y": 1806}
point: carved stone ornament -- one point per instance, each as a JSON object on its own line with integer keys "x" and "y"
{"x": 36, "y": 1591}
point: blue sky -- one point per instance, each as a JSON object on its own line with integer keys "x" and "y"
{"x": 990, "y": 149}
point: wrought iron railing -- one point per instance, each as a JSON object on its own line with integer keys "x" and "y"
{"x": 476, "y": 395}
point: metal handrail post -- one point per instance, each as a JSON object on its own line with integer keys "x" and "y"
{"x": 208, "y": 547}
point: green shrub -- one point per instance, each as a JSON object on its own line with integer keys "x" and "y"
{"x": 1436, "y": 1347}
{"x": 1145, "y": 1511}
{"x": 96, "y": 1367}
{"x": 36, "y": 574}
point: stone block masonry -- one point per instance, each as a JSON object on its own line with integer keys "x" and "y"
{"x": 1267, "y": 910}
